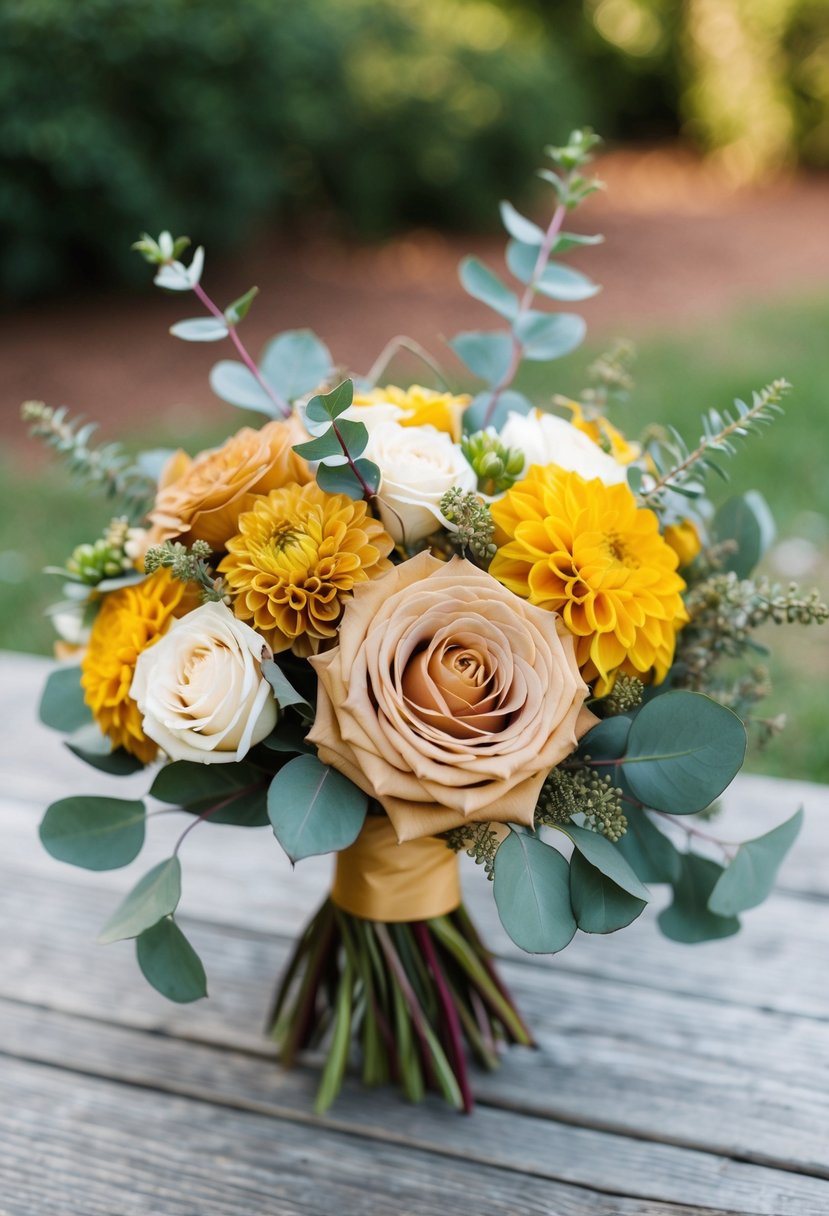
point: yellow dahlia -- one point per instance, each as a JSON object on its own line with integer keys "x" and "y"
{"x": 420, "y": 407}
{"x": 299, "y": 554}
{"x": 684, "y": 539}
{"x": 128, "y": 622}
{"x": 605, "y": 434}
{"x": 585, "y": 550}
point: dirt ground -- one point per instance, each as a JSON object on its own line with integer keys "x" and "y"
{"x": 680, "y": 246}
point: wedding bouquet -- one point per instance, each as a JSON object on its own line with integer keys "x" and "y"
{"x": 397, "y": 623}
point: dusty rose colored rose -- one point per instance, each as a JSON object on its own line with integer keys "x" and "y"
{"x": 202, "y": 499}
{"x": 448, "y": 698}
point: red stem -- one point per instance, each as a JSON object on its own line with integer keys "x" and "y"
{"x": 453, "y": 1026}
{"x": 279, "y": 401}
{"x": 367, "y": 491}
{"x": 212, "y": 810}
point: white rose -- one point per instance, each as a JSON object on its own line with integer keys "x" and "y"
{"x": 418, "y": 464}
{"x": 201, "y": 690}
{"x": 548, "y": 439}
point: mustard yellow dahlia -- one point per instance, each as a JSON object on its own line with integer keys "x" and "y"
{"x": 584, "y": 549}
{"x": 420, "y": 406}
{"x": 128, "y": 622}
{"x": 605, "y": 434}
{"x": 298, "y": 555}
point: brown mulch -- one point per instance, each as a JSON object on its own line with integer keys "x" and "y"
{"x": 680, "y": 247}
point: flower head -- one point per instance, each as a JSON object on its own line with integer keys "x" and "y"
{"x": 605, "y": 434}
{"x": 447, "y": 699}
{"x": 585, "y": 550}
{"x": 202, "y": 499}
{"x": 418, "y": 406}
{"x": 128, "y": 623}
{"x": 297, "y": 557}
{"x": 549, "y": 439}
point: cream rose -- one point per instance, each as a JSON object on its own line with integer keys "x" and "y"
{"x": 547, "y": 439}
{"x": 200, "y": 688}
{"x": 448, "y": 698}
{"x": 418, "y": 464}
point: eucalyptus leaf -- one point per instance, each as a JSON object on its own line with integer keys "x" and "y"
{"x": 604, "y": 855}
{"x": 62, "y": 706}
{"x": 557, "y": 282}
{"x": 749, "y": 878}
{"x": 186, "y": 783}
{"x": 155, "y": 895}
{"x": 483, "y": 284}
{"x": 477, "y": 415}
{"x": 608, "y": 739}
{"x": 342, "y": 479}
{"x": 296, "y": 362}
{"x": 572, "y": 240}
{"x": 599, "y": 904}
{"x": 689, "y": 919}
{"x": 683, "y": 750}
{"x": 648, "y": 851}
{"x": 325, "y": 407}
{"x": 284, "y": 691}
{"x": 519, "y": 227}
{"x": 323, "y": 446}
{"x": 532, "y": 894}
{"x": 289, "y": 737}
{"x": 314, "y": 809}
{"x": 549, "y": 335}
{"x": 237, "y": 385}
{"x": 239, "y": 309}
{"x": 487, "y": 354}
{"x": 93, "y": 832}
{"x": 747, "y": 521}
{"x": 170, "y": 964}
{"x": 95, "y": 749}
{"x": 200, "y": 329}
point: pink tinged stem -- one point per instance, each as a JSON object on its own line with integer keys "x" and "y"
{"x": 276, "y": 398}
{"x": 453, "y": 1026}
{"x": 544, "y": 252}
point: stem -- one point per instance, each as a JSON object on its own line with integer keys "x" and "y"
{"x": 391, "y": 348}
{"x": 544, "y": 252}
{"x": 368, "y": 493}
{"x": 277, "y": 399}
{"x": 453, "y": 1026}
{"x": 212, "y": 810}
{"x": 726, "y": 845}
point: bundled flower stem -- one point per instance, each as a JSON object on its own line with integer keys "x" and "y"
{"x": 414, "y": 996}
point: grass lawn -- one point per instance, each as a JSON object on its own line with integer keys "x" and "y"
{"x": 41, "y": 519}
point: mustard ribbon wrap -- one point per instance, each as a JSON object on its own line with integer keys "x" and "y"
{"x": 378, "y": 879}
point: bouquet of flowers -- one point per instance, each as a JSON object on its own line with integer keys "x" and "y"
{"x": 397, "y": 623}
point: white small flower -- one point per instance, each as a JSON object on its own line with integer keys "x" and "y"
{"x": 418, "y": 464}
{"x": 201, "y": 690}
{"x": 548, "y": 439}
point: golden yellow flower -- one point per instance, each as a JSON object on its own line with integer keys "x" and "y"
{"x": 585, "y": 549}
{"x": 128, "y": 622}
{"x": 299, "y": 554}
{"x": 684, "y": 539}
{"x": 420, "y": 406}
{"x": 605, "y": 434}
{"x": 202, "y": 499}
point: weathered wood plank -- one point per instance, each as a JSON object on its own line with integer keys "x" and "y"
{"x": 702, "y": 1074}
{"x": 597, "y": 1161}
{"x": 81, "y": 1146}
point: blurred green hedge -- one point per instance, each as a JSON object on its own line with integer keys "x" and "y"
{"x": 204, "y": 116}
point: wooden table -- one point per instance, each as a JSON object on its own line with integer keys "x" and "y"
{"x": 669, "y": 1079}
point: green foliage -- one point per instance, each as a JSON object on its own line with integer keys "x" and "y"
{"x": 496, "y": 466}
{"x": 95, "y": 749}
{"x": 62, "y": 706}
{"x": 600, "y": 905}
{"x": 582, "y": 790}
{"x": 606, "y": 858}
{"x": 478, "y": 842}
{"x": 93, "y": 832}
{"x": 314, "y": 809}
{"x": 166, "y": 113}
{"x": 750, "y": 876}
{"x": 284, "y": 692}
{"x": 688, "y": 918}
{"x": 155, "y": 895}
{"x": 170, "y": 963}
{"x": 743, "y": 528}
{"x": 338, "y": 444}
{"x": 222, "y": 793}
{"x": 532, "y": 893}
{"x": 649, "y": 852}
{"x": 471, "y": 525}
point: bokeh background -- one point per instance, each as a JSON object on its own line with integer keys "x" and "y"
{"x": 343, "y": 155}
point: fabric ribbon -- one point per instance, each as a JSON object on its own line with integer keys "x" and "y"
{"x": 378, "y": 879}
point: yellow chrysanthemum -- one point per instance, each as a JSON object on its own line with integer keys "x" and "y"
{"x": 421, "y": 407}
{"x": 605, "y": 434}
{"x": 684, "y": 539}
{"x": 127, "y": 623}
{"x": 585, "y": 549}
{"x": 299, "y": 554}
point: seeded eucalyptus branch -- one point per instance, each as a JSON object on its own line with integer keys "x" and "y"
{"x": 188, "y": 566}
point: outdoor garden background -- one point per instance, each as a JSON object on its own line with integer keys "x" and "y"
{"x": 343, "y": 155}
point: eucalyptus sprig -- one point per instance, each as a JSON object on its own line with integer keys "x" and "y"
{"x": 188, "y": 565}
{"x": 338, "y": 445}
{"x": 682, "y": 470}
{"x": 106, "y": 465}
{"x": 495, "y": 356}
